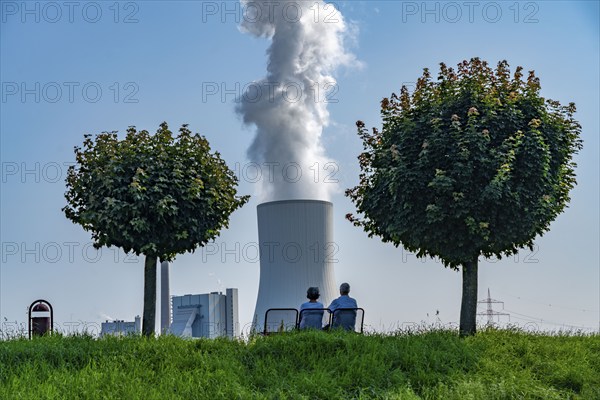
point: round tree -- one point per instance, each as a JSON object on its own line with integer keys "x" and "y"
{"x": 474, "y": 164}
{"x": 155, "y": 195}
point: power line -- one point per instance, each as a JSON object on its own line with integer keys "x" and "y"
{"x": 553, "y": 305}
{"x": 490, "y": 313}
{"x": 544, "y": 321}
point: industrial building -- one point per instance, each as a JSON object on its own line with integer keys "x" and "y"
{"x": 120, "y": 327}
{"x": 208, "y": 315}
{"x": 297, "y": 251}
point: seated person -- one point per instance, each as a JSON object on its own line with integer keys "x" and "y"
{"x": 344, "y": 318}
{"x": 309, "y": 318}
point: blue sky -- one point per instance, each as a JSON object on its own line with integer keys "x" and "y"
{"x": 64, "y": 75}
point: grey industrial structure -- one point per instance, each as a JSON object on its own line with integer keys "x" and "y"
{"x": 121, "y": 327}
{"x": 165, "y": 306}
{"x": 297, "y": 251}
{"x": 208, "y": 315}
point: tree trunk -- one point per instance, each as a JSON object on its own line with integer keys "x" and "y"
{"x": 468, "y": 307}
{"x": 149, "y": 317}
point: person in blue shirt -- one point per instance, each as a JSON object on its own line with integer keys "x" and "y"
{"x": 344, "y": 319}
{"x": 312, "y": 318}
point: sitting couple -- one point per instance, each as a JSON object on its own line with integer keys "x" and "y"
{"x": 314, "y": 319}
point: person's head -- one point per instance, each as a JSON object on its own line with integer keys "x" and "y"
{"x": 344, "y": 289}
{"x": 313, "y": 293}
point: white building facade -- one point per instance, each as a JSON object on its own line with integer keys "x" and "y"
{"x": 208, "y": 315}
{"x": 121, "y": 327}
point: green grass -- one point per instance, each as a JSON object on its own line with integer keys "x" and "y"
{"x": 495, "y": 364}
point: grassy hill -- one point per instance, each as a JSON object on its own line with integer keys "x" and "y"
{"x": 495, "y": 364}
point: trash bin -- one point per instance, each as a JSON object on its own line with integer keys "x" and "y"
{"x": 41, "y": 318}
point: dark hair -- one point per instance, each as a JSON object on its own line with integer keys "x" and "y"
{"x": 312, "y": 293}
{"x": 344, "y": 288}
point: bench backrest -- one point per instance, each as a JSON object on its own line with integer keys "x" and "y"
{"x": 314, "y": 318}
{"x": 279, "y": 320}
{"x": 345, "y": 318}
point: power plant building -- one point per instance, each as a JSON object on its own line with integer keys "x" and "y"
{"x": 121, "y": 328}
{"x": 296, "y": 252}
{"x": 208, "y": 315}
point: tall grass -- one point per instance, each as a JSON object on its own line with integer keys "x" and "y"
{"x": 495, "y": 364}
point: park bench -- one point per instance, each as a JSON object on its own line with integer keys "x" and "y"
{"x": 279, "y": 320}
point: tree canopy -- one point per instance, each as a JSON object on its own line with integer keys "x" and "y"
{"x": 155, "y": 195}
{"x": 475, "y": 163}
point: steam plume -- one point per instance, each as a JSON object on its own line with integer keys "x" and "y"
{"x": 289, "y": 106}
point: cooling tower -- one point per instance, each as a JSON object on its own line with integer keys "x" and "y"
{"x": 296, "y": 251}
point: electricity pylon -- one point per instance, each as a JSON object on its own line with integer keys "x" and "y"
{"x": 489, "y": 312}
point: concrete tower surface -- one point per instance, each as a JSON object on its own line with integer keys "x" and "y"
{"x": 165, "y": 298}
{"x": 296, "y": 251}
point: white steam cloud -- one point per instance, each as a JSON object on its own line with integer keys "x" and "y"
{"x": 106, "y": 317}
{"x": 289, "y": 106}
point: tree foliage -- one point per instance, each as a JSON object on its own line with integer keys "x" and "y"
{"x": 156, "y": 195}
{"x": 475, "y": 163}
